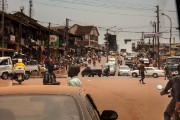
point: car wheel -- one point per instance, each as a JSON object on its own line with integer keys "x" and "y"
{"x": 5, "y": 76}
{"x": 155, "y": 75}
{"x": 92, "y": 75}
{"x": 134, "y": 75}
{"x": 99, "y": 75}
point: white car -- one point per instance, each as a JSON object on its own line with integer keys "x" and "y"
{"x": 151, "y": 71}
{"x": 123, "y": 70}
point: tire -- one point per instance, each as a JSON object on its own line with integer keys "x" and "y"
{"x": 155, "y": 75}
{"x": 5, "y": 76}
{"x": 27, "y": 76}
{"x": 134, "y": 75}
{"x": 99, "y": 75}
{"x": 92, "y": 75}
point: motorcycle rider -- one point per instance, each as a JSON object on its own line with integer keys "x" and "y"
{"x": 172, "y": 85}
{"x": 19, "y": 64}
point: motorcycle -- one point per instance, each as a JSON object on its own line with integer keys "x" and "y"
{"x": 176, "y": 113}
{"x": 19, "y": 74}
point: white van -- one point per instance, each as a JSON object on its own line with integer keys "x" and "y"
{"x": 6, "y": 67}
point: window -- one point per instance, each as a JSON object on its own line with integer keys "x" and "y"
{"x": 4, "y": 62}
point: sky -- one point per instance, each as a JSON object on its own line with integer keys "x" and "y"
{"x": 126, "y": 18}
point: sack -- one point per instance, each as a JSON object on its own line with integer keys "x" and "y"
{"x": 48, "y": 78}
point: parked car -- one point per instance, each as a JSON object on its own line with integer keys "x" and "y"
{"x": 40, "y": 102}
{"x": 112, "y": 68}
{"x": 91, "y": 71}
{"x": 123, "y": 70}
{"x": 151, "y": 71}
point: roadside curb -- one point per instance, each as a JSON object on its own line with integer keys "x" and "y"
{"x": 57, "y": 76}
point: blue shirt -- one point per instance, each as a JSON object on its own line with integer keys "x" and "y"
{"x": 74, "y": 81}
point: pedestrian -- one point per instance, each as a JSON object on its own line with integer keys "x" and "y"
{"x": 73, "y": 72}
{"x": 166, "y": 71}
{"x": 142, "y": 70}
{"x": 51, "y": 68}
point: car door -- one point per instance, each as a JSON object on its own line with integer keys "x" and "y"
{"x": 150, "y": 71}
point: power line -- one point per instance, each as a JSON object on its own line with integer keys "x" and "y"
{"x": 91, "y": 10}
{"x": 116, "y": 6}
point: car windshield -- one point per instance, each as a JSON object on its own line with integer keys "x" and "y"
{"x": 124, "y": 68}
{"x": 39, "y": 107}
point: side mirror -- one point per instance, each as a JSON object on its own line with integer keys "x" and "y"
{"x": 159, "y": 87}
{"x": 109, "y": 115}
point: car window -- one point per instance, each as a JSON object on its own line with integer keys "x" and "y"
{"x": 39, "y": 107}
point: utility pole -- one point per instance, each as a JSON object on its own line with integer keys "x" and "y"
{"x": 48, "y": 49}
{"x": 107, "y": 44}
{"x": 158, "y": 37}
{"x": 30, "y": 8}
{"x": 2, "y": 29}
{"x": 67, "y": 35}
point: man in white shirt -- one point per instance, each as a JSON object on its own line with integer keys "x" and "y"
{"x": 73, "y": 72}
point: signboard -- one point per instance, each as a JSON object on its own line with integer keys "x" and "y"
{"x": 53, "y": 38}
{"x": 12, "y": 38}
{"x": 152, "y": 35}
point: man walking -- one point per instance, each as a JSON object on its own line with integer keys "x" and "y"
{"x": 142, "y": 70}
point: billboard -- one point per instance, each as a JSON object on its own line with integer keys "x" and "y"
{"x": 152, "y": 35}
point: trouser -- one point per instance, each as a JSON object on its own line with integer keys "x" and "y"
{"x": 54, "y": 76}
{"x": 169, "y": 109}
{"x": 142, "y": 76}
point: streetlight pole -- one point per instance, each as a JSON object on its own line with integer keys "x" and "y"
{"x": 170, "y": 32}
{"x": 107, "y": 45}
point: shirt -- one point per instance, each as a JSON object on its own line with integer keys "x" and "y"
{"x": 74, "y": 81}
{"x": 20, "y": 64}
{"x": 142, "y": 68}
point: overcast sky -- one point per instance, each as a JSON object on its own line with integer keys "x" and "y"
{"x": 129, "y": 16}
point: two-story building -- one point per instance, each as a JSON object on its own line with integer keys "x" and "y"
{"x": 84, "y": 39}
{"x": 25, "y": 35}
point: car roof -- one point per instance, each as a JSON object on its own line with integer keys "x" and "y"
{"x": 4, "y": 57}
{"x": 40, "y": 90}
